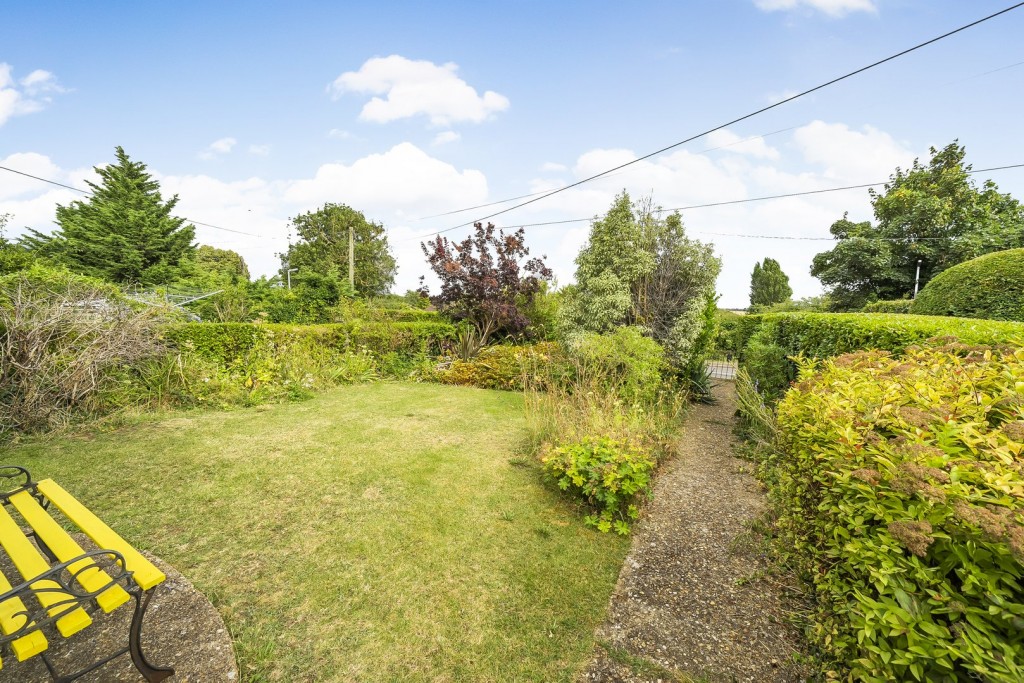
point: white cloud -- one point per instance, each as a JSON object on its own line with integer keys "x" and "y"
{"x": 445, "y": 137}
{"x": 391, "y": 187}
{"x": 833, "y": 8}
{"x": 339, "y": 134}
{"x": 415, "y": 87}
{"x": 217, "y": 147}
{"x": 40, "y": 81}
{"x": 846, "y": 154}
{"x": 731, "y": 142}
{"x": 552, "y": 167}
{"x": 31, "y": 97}
{"x": 28, "y": 162}
{"x": 404, "y": 179}
{"x": 259, "y": 150}
{"x": 401, "y": 184}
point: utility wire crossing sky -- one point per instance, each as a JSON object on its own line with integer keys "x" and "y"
{"x": 268, "y": 115}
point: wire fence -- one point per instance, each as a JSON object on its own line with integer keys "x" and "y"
{"x": 723, "y": 369}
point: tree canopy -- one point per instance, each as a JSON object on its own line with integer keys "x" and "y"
{"x": 639, "y": 269}
{"x": 486, "y": 279}
{"x": 323, "y": 248}
{"x": 124, "y": 232}
{"x": 769, "y": 285}
{"x": 213, "y": 267}
{"x": 933, "y": 213}
{"x": 12, "y": 256}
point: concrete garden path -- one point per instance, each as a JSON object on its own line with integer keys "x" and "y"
{"x": 693, "y": 599}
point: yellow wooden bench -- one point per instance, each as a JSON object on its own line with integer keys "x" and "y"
{"x": 60, "y": 584}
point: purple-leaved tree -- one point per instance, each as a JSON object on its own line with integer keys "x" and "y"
{"x": 486, "y": 279}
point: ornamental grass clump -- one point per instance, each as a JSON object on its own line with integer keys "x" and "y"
{"x": 899, "y": 492}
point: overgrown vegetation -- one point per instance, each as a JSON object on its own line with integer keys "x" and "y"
{"x": 64, "y": 341}
{"x": 990, "y": 286}
{"x": 604, "y": 405}
{"x": 897, "y": 486}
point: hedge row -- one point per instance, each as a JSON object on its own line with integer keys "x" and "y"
{"x": 990, "y": 286}
{"x": 767, "y": 341}
{"x": 898, "y": 492}
{"x": 889, "y": 306}
{"x": 227, "y": 341}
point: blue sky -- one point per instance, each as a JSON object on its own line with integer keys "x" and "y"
{"x": 253, "y": 113}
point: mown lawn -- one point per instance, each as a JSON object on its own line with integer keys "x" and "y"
{"x": 379, "y": 532}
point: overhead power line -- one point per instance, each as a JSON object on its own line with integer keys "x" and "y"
{"x": 534, "y": 194}
{"x": 740, "y": 118}
{"x": 730, "y": 202}
{"x": 86, "y": 192}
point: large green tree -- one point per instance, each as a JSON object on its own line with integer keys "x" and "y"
{"x": 12, "y": 256}
{"x": 640, "y": 269}
{"x": 934, "y": 214}
{"x": 213, "y": 267}
{"x": 769, "y": 284}
{"x": 323, "y": 248}
{"x": 124, "y": 232}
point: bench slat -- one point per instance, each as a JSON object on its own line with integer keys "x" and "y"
{"x": 145, "y": 572}
{"x": 10, "y": 621}
{"x": 31, "y": 564}
{"x": 65, "y": 548}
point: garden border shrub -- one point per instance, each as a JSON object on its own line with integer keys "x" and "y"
{"x": 888, "y": 306}
{"x": 226, "y": 341}
{"x": 896, "y": 487}
{"x": 990, "y": 286}
{"x": 824, "y": 335}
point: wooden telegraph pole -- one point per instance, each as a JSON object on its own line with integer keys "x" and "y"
{"x": 351, "y": 259}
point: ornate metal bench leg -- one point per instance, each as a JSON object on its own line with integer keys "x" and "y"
{"x": 150, "y": 673}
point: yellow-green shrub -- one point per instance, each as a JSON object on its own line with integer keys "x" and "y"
{"x": 899, "y": 489}
{"x": 499, "y": 367}
{"x": 823, "y": 335}
{"x": 608, "y": 474}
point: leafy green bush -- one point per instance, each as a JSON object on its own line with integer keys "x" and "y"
{"x": 823, "y": 335}
{"x": 607, "y": 474}
{"x": 625, "y": 362}
{"x": 990, "y": 286}
{"x": 725, "y": 333}
{"x": 888, "y": 306}
{"x": 227, "y": 341}
{"x": 899, "y": 492}
{"x": 382, "y": 309}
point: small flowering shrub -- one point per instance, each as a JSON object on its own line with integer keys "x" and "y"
{"x": 607, "y": 474}
{"x": 899, "y": 490}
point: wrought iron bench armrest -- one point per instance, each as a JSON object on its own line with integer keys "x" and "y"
{"x": 38, "y": 617}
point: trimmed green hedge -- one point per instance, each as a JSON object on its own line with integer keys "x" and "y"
{"x": 768, "y": 340}
{"x": 897, "y": 489}
{"x": 990, "y": 286}
{"x": 226, "y": 341}
{"x": 892, "y": 306}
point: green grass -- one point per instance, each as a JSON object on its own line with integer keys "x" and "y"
{"x": 378, "y": 532}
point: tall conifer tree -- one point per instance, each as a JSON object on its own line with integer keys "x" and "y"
{"x": 123, "y": 233}
{"x": 768, "y": 284}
